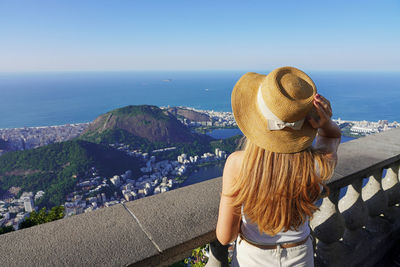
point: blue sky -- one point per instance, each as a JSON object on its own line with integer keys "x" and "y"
{"x": 199, "y": 35}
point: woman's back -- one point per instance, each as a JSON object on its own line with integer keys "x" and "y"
{"x": 251, "y": 229}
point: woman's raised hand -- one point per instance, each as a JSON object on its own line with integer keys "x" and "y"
{"x": 326, "y": 127}
{"x": 324, "y": 110}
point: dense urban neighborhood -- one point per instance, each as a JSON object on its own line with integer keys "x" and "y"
{"x": 93, "y": 191}
{"x": 13, "y": 139}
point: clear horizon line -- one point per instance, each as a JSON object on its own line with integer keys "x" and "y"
{"x": 191, "y": 70}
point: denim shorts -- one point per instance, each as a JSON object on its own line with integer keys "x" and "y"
{"x": 248, "y": 255}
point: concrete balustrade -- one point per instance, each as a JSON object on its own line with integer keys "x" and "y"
{"x": 391, "y": 184}
{"x": 371, "y": 213}
{"x": 328, "y": 226}
{"x": 356, "y": 230}
{"x": 355, "y": 213}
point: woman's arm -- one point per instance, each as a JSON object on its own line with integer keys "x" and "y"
{"x": 328, "y": 138}
{"x": 228, "y": 217}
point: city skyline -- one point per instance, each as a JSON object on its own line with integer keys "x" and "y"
{"x": 174, "y": 35}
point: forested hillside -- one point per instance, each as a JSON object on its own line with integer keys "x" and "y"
{"x": 55, "y": 168}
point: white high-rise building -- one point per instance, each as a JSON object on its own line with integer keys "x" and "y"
{"x": 28, "y": 204}
{"x": 103, "y": 197}
{"x": 116, "y": 180}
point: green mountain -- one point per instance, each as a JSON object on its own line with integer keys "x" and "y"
{"x": 146, "y": 128}
{"x": 140, "y": 124}
{"x": 55, "y": 168}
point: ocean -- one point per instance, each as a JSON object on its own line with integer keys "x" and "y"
{"x": 55, "y": 98}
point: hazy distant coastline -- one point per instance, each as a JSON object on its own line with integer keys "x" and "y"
{"x": 13, "y": 139}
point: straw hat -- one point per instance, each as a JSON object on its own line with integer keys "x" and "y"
{"x": 271, "y": 109}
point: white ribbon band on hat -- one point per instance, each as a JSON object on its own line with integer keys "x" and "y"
{"x": 274, "y": 123}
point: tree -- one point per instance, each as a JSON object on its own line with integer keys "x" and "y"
{"x": 6, "y": 229}
{"x": 36, "y": 218}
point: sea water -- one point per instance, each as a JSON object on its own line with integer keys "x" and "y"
{"x": 54, "y": 98}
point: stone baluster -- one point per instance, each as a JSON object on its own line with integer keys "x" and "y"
{"x": 376, "y": 201}
{"x": 355, "y": 214}
{"x": 328, "y": 226}
{"x": 218, "y": 255}
{"x": 391, "y": 186}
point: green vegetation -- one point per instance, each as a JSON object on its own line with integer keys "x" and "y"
{"x": 54, "y": 168}
{"x": 6, "y": 229}
{"x": 197, "y": 147}
{"x": 206, "y": 129}
{"x": 197, "y": 259}
{"x": 143, "y": 122}
{"x": 36, "y": 218}
{"x": 112, "y": 136}
{"x": 132, "y": 111}
{"x": 43, "y": 216}
{"x": 228, "y": 145}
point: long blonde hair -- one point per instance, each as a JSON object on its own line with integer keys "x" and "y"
{"x": 277, "y": 191}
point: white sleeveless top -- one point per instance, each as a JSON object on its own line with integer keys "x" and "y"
{"x": 251, "y": 232}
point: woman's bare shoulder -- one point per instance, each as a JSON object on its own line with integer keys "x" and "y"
{"x": 234, "y": 160}
{"x": 232, "y": 166}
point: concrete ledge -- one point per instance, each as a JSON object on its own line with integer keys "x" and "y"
{"x": 106, "y": 237}
{"x": 179, "y": 220}
{"x": 357, "y": 158}
{"x": 164, "y": 228}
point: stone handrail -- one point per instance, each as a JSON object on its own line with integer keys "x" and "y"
{"x": 361, "y": 227}
{"x": 162, "y": 229}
